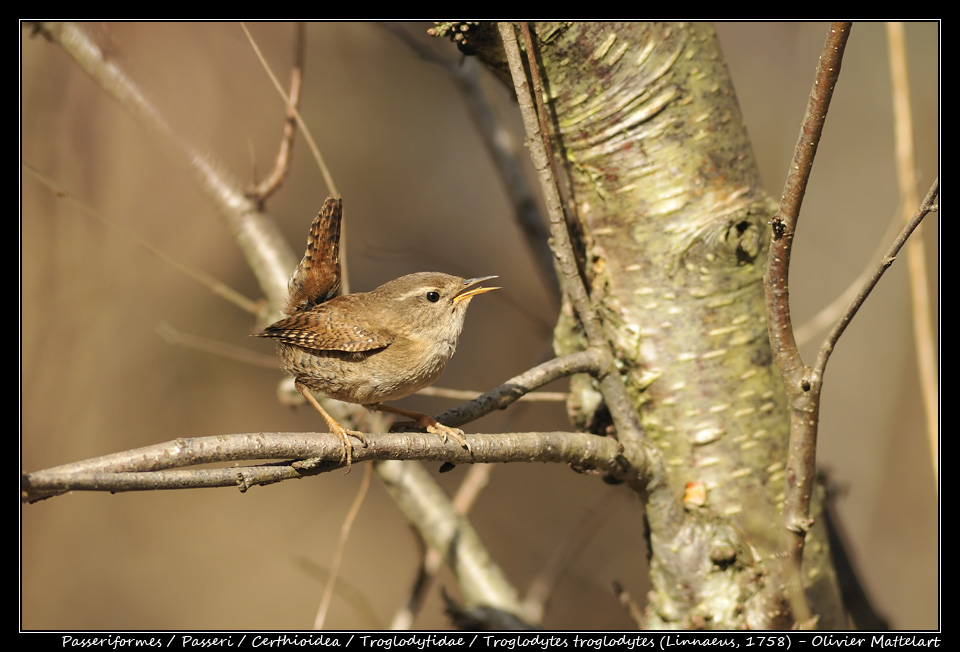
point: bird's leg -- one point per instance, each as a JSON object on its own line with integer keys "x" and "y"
{"x": 428, "y": 422}
{"x": 341, "y": 432}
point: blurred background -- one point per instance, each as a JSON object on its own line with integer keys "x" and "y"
{"x": 420, "y": 193}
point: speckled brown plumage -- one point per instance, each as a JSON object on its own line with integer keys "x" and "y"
{"x": 372, "y": 346}
{"x": 377, "y": 346}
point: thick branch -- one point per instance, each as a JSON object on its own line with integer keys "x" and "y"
{"x": 444, "y": 529}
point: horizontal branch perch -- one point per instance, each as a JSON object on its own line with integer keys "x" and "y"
{"x": 146, "y": 469}
{"x": 152, "y": 468}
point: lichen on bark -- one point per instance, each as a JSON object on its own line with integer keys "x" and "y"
{"x": 672, "y": 228}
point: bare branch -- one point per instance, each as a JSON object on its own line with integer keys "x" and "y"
{"x": 504, "y": 152}
{"x": 341, "y": 546}
{"x": 268, "y": 254}
{"x": 629, "y": 604}
{"x": 215, "y": 286}
{"x": 470, "y": 394}
{"x": 885, "y": 262}
{"x": 802, "y": 385}
{"x": 784, "y": 223}
{"x": 261, "y": 191}
{"x": 828, "y": 315}
{"x": 477, "y": 477}
{"x": 444, "y": 529}
{"x": 503, "y": 395}
{"x": 291, "y": 104}
{"x": 215, "y": 347}
{"x": 567, "y": 550}
{"x": 160, "y": 466}
{"x": 629, "y": 429}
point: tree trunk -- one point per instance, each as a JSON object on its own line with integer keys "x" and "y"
{"x": 671, "y": 225}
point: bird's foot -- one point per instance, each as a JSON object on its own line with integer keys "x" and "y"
{"x": 438, "y": 428}
{"x": 428, "y": 423}
{"x": 346, "y": 454}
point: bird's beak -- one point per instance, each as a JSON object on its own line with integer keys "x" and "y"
{"x": 467, "y": 292}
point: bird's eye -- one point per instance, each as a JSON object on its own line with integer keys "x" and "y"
{"x": 433, "y": 297}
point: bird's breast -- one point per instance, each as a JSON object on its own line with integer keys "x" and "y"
{"x": 396, "y": 371}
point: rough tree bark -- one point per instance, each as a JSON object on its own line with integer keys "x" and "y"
{"x": 672, "y": 231}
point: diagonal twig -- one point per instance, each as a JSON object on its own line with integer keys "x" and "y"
{"x": 261, "y": 191}
{"x": 258, "y": 237}
{"x": 629, "y": 429}
{"x": 504, "y": 152}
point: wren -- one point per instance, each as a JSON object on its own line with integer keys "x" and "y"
{"x": 368, "y": 347}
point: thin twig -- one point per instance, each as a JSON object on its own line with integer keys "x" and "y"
{"x": 801, "y": 383}
{"x": 262, "y": 191}
{"x": 588, "y": 361}
{"x": 357, "y": 598}
{"x": 923, "y": 333}
{"x": 629, "y": 604}
{"x": 264, "y": 247}
{"x": 324, "y": 170}
{"x": 566, "y": 551}
{"x": 828, "y": 315}
{"x": 215, "y": 347}
{"x": 533, "y": 65}
{"x": 629, "y": 429}
{"x": 469, "y": 394}
{"x": 785, "y": 351}
{"x": 317, "y": 156}
{"x": 926, "y": 206}
{"x": 214, "y": 285}
{"x": 476, "y": 478}
{"x": 503, "y": 150}
{"x": 342, "y": 545}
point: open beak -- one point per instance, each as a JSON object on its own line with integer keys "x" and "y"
{"x": 467, "y": 292}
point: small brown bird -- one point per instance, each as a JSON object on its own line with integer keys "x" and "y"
{"x": 369, "y": 347}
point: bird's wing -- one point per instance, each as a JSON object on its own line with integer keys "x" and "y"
{"x": 328, "y": 327}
